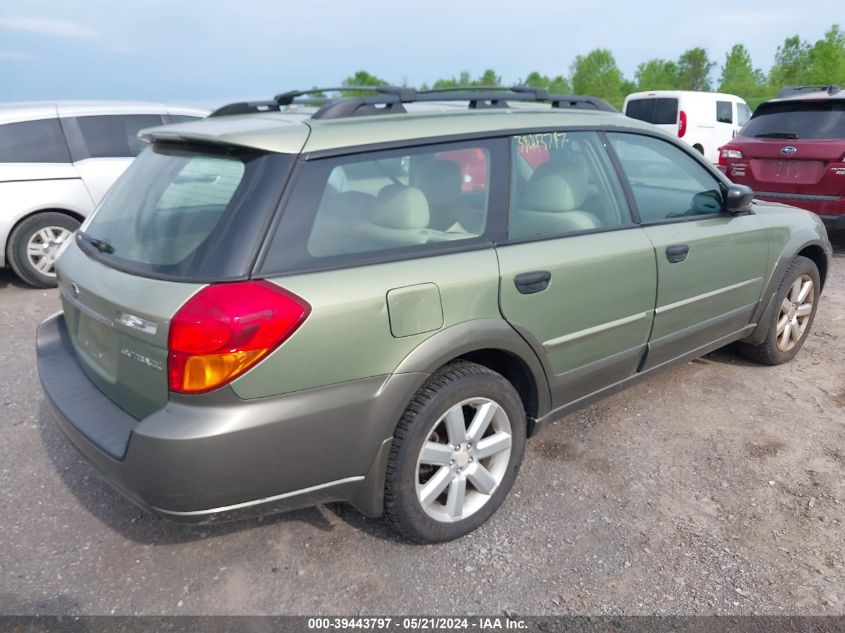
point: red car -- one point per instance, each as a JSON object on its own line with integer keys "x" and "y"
{"x": 793, "y": 151}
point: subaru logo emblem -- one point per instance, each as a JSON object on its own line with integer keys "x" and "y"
{"x": 75, "y": 288}
{"x": 789, "y": 149}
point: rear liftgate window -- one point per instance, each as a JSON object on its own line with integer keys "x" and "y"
{"x": 187, "y": 214}
{"x": 798, "y": 120}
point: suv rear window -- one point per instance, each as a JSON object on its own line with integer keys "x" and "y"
{"x": 659, "y": 110}
{"x": 798, "y": 120}
{"x": 186, "y": 214}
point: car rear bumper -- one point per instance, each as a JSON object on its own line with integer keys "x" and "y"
{"x": 216, "y": 457}
{"x": 831, "y": 209}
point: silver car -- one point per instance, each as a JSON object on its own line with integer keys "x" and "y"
{"x": 57, "y": 160}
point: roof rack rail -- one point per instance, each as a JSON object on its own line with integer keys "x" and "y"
{"x": 316, "y": 97}
{"x": 539, "y": 94}
{"x": 403, "y": 93}
{"x": 790, "y": 91}
{"x": 390, "y": 100}
{"x": 496, "y": 96}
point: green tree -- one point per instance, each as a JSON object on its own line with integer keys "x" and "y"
{"x": 657, "y": 74}
{"x": 827, "y": 58}
{"x": 739, "y": 77}
{"x": 791, "y": 66}
{"x": 555, "y": 85}
{"x": 596, "y": 74}
{"x": 694, "y": 68}
{"x": 488, "y": 78}
{"x": 464, "y": 79}
{"x": 361, "y": 78}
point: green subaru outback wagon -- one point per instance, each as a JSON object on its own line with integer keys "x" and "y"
{"x": 378, "y": 300}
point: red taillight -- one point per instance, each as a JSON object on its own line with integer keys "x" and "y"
{"x": 682, "y": 124}
{"x": 729, "y": 152}
{"x": 225, "y": 329}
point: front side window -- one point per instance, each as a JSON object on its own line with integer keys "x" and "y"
{"x": 114, "y": 136}
{"x": 562, "y": 182}
{"x": 724, "y": 112}
{"x": 38, "y": 141}
{"x": 667, "y": 183}
{"x": 743, "y": 113}
{"x": 380, "y": 203}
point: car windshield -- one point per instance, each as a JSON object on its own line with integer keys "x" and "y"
{"x": 798, "y": 120}
{"x": 178, "y": 212}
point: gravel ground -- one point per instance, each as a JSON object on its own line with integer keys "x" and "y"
{"x": 714, "y": 488}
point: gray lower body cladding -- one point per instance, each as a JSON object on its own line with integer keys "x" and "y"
{"x": 215, "y": 456}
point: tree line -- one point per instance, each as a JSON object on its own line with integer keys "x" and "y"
{"x": 797, "y": 62}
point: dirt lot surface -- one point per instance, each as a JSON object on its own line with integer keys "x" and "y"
{"x": 714, "y": 488}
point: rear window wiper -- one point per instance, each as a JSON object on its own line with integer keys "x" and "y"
{"x": 776, "y": 135}
{"x": 100, "y": 245}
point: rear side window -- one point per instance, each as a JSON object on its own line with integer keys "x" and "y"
{"x": 724, "y": 112}
{"x": 114, "y": 136}
{"x": 38, "y": 141}
{"x": 798, "y": 120}
{"x": 373, "y": 206}
{"x": 658, "y": 110}
{"x": 563, "y": 182}
{"x": 184, "y": 118}
{"x": 667, "y": 183}
{"x": 185, "y": 214}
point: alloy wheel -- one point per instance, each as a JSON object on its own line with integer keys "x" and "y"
{"x": 463, "y": 460}
{"x": 43, "y": 247}
{"x": 795, "y": 312}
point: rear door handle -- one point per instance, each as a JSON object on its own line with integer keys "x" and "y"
{"x": 535, "y": 281}
{"x": 677, "y": 253}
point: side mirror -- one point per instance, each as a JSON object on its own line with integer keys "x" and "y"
{"x": 738, "y": 198}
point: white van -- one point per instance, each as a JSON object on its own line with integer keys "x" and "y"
{"x": 56, "y": 162}
{"x": 705, "y": 120}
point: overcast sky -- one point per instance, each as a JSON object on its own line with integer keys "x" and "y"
{"x": 209, "y": 51}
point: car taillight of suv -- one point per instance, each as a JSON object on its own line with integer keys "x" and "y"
{"x": 793, "y": 151}
{"x": 225, "y": 329}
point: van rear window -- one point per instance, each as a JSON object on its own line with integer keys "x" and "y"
{"x": 186, "y": 214}
{"x": 657, "y": 110}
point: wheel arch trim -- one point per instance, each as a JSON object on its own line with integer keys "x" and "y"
{"x": 478, "y": 335}
{"x": 798, "y": 243}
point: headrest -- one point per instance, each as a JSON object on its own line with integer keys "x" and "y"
{"x": 439, "y": 180}
{"x": 555, "y": 188}
{"x": 351, "y": 205}
{"x": 400, "y": 207}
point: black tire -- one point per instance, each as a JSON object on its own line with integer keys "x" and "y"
{"x": 19, "y": 239}
{"x": 451, "y": 385}
{"x": 768, "y": 352}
